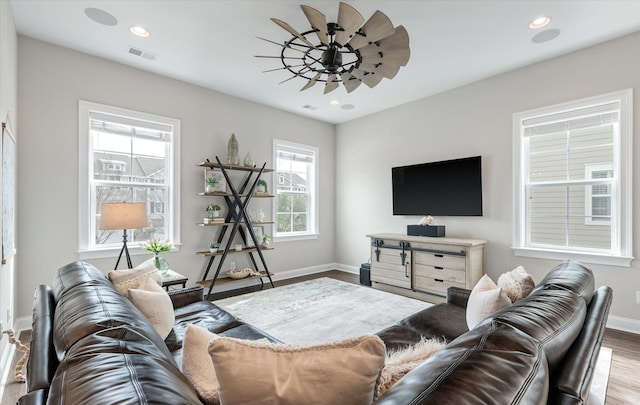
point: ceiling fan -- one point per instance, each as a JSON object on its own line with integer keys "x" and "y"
{"x": 349, "y": 51}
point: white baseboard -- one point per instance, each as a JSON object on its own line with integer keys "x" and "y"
{"x": 623, "y": 324}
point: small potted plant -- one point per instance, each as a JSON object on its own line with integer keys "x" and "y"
{"x": 265, "y": 240}
{"x": 213, "y": 211}
{"x": 213, "y": 246}
{"x": 210, "y": 185}
{"x": 156, "y": 246}
{"x": 261, "y": 186}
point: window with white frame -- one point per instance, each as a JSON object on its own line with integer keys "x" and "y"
{"x": 127, "y": 156}
{"x": 572, "y": 180}
{"x": 296, "y": 191}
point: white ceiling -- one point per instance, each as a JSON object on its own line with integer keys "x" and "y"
{"x": 212, "y": 43}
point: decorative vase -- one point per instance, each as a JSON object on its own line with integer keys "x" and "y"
{"x": 210, "y": 188}
{"x": 161, "y": 265}
{"x": 248, "y": 160}
{"x": 232, "y": 150}
{"x": 265, "y": 244}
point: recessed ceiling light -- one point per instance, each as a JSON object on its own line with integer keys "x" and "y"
{"x": 539, "y": 22}
{"x": 140, "y": 31}
{"x": 334, "y": 102}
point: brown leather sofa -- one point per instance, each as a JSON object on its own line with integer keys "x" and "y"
{"x": 90, "y": 345}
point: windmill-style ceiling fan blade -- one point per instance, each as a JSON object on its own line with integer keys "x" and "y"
{"x": 292, "y": 31}
{"x": 318, "y": 21}
{"x": 350, "y": 81}
{"x": 370, "y": 79}
{"x": 311, "y": 82}
{"x": 393, "y": 48}
{"x": 281, "y": 45}
{"x": 377, "y": 27}
{"x": 282, "y": 68}
{"x": 349, "y": 19}
{"x": 385, "y": 69}
{"x": 286, "y": 80}
{"x": 396, "y": 57}
{"x": 331, "y": 85}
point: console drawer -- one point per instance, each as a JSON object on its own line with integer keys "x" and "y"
{"x": 442, "y": 260}
{"x": 388, "y": 268}
{"x": 434, "y": 285}
{"x": 439, "y": 273}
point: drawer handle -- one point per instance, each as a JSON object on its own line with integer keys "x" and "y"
{"x": 438, "y": 268}
{"x": 436, "y": 255}
{"x": 438, "y": 280}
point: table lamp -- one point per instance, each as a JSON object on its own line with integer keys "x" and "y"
{"x": 123, "y": 216}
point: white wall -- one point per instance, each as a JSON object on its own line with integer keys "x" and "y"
{"x": 52, "y": 80}
{"x": 8, "y": 104}
{"x": 476, "y": 120}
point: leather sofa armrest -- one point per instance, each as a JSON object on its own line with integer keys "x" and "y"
{"x": 458, "y": 296}
{"x": 38, "y": 397}
{"x": 186, "y": 296}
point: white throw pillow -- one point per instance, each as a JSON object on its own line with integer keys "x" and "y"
{"x": 344, "y": 372}
{"x": 517, "y": 283}
{"x": 197, "y": 365}
{"x": 123, "y": 280}
{"x": 485, "y": 300}
{"x": 154, "y": 302}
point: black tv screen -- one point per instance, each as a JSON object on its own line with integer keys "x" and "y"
{"x": 446, "y": 188}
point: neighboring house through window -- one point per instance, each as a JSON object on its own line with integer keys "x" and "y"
{"x": 296, "y": 192}
{"x": 572, "y": 180}
{"x": 127, "y": 156}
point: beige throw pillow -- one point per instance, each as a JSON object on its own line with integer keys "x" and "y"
{"x": 154, "y": 302}
{"x": 485, "y": 300}
{"x": 197, "y": 365}
{"x": 131, "y": 278}
{"x": 400, "y": 362}
{"x": 343, "y": 372}
{"x": 517, "y": 283}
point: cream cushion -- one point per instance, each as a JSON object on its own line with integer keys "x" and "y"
{"x": 517, "y": 283}
{"x": 154, "y": 302}
{"x": 485, "y": 300}
{"x": 197, "y": 365}
{"x": 400, "y": 362}
{"x": 123, "y": 280}
{"x": 343, "y": 372}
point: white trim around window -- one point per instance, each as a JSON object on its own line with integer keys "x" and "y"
{"x": 87, "y": 248}
{"x": 579, "y": 114}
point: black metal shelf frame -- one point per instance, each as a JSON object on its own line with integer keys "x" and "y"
{"x": 237, "y": 203}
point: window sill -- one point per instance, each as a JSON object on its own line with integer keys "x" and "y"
{"x": 593, "y": 258}
{"x": 295, "y": 238}
{"x": 112, "y": 252}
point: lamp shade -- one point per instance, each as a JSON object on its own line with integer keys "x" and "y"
{"x": 123, "y": 216}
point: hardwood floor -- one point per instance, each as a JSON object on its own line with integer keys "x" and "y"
{"x": 624, "y": 380}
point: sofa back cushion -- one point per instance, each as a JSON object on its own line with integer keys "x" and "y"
{"x": 88, "y": 308}
{"x": 74, "y": 274}
{"x": 552, "y": 317}
{"x": 494, "y": 363}
{"x": 572, "y": 276}
{"x": 119, "y": 365}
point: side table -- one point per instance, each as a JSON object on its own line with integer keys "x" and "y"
{"x": 173, "y": 278}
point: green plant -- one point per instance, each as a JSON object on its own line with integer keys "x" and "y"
{"x": 211, "y": 181}
{"x": 262, "y": 183}
{"x": 265, "y": 237}
{"x": 213, "y": 244}
{"x": 213, "y": 207}
{"x": 156, "y": 245}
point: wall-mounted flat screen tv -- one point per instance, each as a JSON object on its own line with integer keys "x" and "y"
{"x": 446, "y": 188}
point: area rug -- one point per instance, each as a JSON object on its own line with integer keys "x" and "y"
{"x": 321, "y": 310}
{"x": 325, "y": 309}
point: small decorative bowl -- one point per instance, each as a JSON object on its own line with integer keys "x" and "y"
{"x": 239, "y": 273}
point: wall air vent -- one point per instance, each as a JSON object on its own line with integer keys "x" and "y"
{"x": 310, "y": 107}
{"x": 142, "y": 53}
